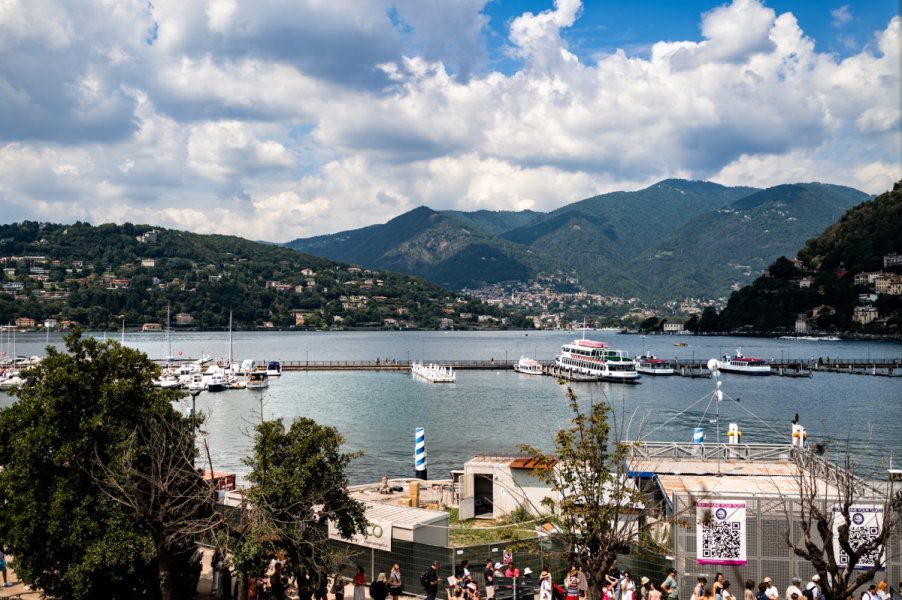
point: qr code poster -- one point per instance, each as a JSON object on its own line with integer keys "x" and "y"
{"x": 865, "y": 523}
{"x": 720, "y": 532}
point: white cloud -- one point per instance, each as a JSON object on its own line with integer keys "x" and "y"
{"x": 286, "y": 119}
{"x": 841, "y": 15}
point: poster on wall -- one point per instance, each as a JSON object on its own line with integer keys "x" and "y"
{"x": 720, "y": 532}
{"x": 865, "y": 523}
{"x": 377, "y": 535}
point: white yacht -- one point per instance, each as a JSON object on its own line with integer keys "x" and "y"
{"x": 528, "y": 366}
{"x": 597, "y": 359}
{"x": 747, "y": 365}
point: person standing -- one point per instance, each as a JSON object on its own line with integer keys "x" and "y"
{"x": 794, "y": 589}
{"x": 278, "y": 583}
{"x": 432, "y": 581}
{"x": 770, "y": 591}
{"x": 360, "y": 584}
{"x": 670, "y": 586}
{"x": 653, "y": 592}
{"x": 644, "y": 587}
{"x": 749, "y": 593}
{"x": 338, "y": 583}
{"x": 627, "y": 587}
{"x": 725, "y": 592}
{"x": 216, "y": 567}
{"x": 698, "y": 592}
{"x": 718, "y": 586}
{"x": 394, "y": 582}
{"x": 3, "y": 567}
{"x": 545, "y": 585}
{"x": 573, "y": 584}
{"x": 815, "y": 586}
{"x": 225, "y": 581}
{"x": 488, "y": 575}
{"x": 379, "y": 589}
{"x": 512, "y": 570}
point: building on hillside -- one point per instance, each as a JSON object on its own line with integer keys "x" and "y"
{"x": 673, "y": 327}
{"x": 148, "y": 237}
{"x": 151, "y": 327}
{"x": 864, "y": 314}
{"x": 893, "y": 259}
{"x": 148, "y": 262}
{"x": 183, "y": 319}
{"x": 806, "y": 282}
{"x": 25, "y": 323}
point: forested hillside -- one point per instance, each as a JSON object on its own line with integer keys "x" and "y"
{"x": 849, "y": 278}
{"x": 100, "y": 276}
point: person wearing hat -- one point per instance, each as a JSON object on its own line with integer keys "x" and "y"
{"x": 770, "y": 590}
{"x": 643, "y": 588}
{"x": 572, "y": 584}
{"x": 546, "y": 591}
{"x": 814, "y": 586}
{"x": 794, "y": 590}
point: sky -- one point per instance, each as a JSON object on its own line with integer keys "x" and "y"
{"x": 282, "y": 119}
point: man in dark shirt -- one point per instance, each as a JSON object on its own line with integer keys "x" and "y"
{"x": 488, "y": 573}
{"x": 432, "y": 588}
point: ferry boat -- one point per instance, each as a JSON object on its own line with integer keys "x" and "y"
{"x": 596, "y": 359}
{"x": 433, "y": 373}
{"x": 649, "y": 365}
{"x": 528, "y": 366}
{"x": 746, "y": 365}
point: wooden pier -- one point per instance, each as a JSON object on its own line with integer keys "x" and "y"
{"x": 880, "y": 367}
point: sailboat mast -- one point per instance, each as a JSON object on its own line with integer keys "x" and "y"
{"x": 168, "y": 337}
{"x": 230, "y": 339}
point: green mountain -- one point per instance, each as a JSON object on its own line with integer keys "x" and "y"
{"x": 495, "y": 222}
{"x": 732, "y": 245}
{"x": 451, "y": 251}
{"x": 822, "y": 284}
{"x": 669, "y": 241}
{"x": 99, "y": 276}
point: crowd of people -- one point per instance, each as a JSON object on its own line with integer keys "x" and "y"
{"x": 462, "y": 585}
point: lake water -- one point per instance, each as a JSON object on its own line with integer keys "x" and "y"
{"x": 491, "y": 412}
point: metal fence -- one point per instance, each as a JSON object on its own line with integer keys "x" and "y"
{"x": 767, "y": 552}
{"x": 414, "y": 558}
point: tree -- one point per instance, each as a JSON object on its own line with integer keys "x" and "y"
{"x": 597, "y": 497}
{"x": 300, "y": 487}
{"x": 827, "y": 497}
{"x": 81, "y": 409}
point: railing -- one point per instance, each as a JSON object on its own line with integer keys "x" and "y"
{"x": 684, "y": 450}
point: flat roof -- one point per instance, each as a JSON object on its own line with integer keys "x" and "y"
{"x": 405, "y": 517}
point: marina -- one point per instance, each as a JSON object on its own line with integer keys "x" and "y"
{"x": 335, "y": 379}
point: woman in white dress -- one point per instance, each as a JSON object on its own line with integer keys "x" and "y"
{"x": 627, "y": 587}
{"x": 545, "y": 586}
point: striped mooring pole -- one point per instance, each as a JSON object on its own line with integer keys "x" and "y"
{"x": 420, "y": 453}
{"x": 698, "y": 436}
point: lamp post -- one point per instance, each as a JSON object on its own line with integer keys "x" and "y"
{"x": 194, "y": 395}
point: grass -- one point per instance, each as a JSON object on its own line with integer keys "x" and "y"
{"x": 519, "y": 525}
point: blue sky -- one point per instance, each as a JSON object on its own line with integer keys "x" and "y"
{"x": 291, "y": 118}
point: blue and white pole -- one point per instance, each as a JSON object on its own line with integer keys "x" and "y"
{"x": 698, "y": 436}
{"x": 420, "y": 453}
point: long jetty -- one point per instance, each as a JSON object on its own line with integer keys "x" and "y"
{"x": 886, "y": 367}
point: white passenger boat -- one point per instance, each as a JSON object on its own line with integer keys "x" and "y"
{"x": 597, "y": 359}
{"x": 747, "y": 365}
{"x": 214, "y": 379}
{"x": 433, "y": 373}
{"x": 649, "y": 365}
{"x": 528, "y": 366}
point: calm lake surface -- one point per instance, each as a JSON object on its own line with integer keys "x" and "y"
{"x": 491, "y": 412}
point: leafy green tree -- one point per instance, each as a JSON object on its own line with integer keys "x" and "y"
{"x": 588, "y": 473}
{"x": 299, "y": 487}
{"x": 76, "y": 420}
{"x": 709, "y": 320}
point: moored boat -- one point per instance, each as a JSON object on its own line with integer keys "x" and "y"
{"x": 746, "y": 365}
{"x": 597, "y": 359}
{"x": 274, "y": 368}
{"x": 649, "y": 365}
{"x": 528, "y": 366}
{"x": 258, "y": 379}
{"x": 433, "y": 373}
